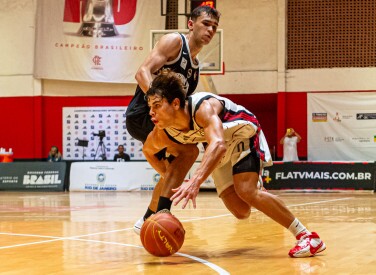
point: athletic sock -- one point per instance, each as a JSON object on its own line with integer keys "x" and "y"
{"x": 296, "y": 228}
{"x": 148, "y": 213}
{"x": 164, "y": 203}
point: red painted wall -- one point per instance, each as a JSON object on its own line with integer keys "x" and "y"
{"x": 292, "y": 113}
{"x": 20, "y": 125}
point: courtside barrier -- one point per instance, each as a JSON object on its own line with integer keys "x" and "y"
{"x": 118, "y": 176}
{"x": 32, "y": 176}
{"x": 320, "y": 175}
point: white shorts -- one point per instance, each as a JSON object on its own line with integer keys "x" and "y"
{"x": 223, "y": 173}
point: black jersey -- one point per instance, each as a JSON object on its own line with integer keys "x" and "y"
{"x": 138, "y": 121}
{"x": 185, "y": 68}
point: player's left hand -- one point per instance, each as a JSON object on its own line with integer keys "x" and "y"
{"x": 187, "y": 191}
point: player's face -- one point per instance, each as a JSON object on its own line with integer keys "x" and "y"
{"x": 204, "y": 28}
{"x": 161, "y": 111}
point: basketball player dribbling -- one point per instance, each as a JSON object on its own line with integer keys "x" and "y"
{"x": 177, "y": 52}
{"x": 235, "y": 148}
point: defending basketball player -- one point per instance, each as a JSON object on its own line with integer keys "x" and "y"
{"x": 235, "y": 147}
{"x": 177, "y": 52}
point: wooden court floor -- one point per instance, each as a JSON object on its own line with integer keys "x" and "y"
{"x": 91, "y": 233}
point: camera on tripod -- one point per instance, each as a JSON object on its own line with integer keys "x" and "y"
{"x": 101, "y": 134}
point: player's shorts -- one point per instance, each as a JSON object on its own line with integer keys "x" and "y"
{"x": 138, "y": 120}
{"x": 239, "y": 158}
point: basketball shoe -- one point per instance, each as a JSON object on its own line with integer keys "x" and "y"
{"x": 307, "y": 245}
{"x": 137, "y": 226}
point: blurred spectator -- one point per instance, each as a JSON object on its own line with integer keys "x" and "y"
{"x": 54, "y": 154}
{"x": 290, "y": 141}
{"x": 121, "y": 156}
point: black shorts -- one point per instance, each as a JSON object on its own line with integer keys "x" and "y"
{"x": 138, "y": 120}
{"x": 250, "y": 163}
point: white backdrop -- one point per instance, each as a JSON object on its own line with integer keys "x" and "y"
{"x": 80, "y": 123}
{"x": 342, "y": 126}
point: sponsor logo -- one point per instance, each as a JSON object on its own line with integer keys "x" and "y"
{"x": 156, "y": 178}
{"x": 319, "y": 117}
{"x": 36, "y": 178}
{"x": 147, "y": 187}
{"x": 363, "y": 116}
{"x": 328, "y": 139}
{"x": 361, "y": 139}
{"x": 100, "y": 187}
{"x": 324, "y": 175}
{"x": 183, "y": 63}
{"x": 101, "y": 177}
{"x": 337, "y": 117}
{"x": 97, "y": 63}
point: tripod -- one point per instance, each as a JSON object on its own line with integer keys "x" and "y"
{"x": 83, "y": 144}
{"x": 102, "y": 149}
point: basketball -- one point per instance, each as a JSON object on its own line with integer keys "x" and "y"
{"x": 162, "y": 234}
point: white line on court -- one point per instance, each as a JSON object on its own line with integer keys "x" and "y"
{"x": 214, "y": 267}
{"x": 317, "y": 202}
{"x": 255, "y": 210}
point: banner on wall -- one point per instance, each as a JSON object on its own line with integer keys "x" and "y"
{"x": 112, "y": 176}
{"x": 320, "y": 175}
{"x": 32, "y": 176}
{"x": 93, "y": 40}
{"x": 119, "y": 176}
{"x": 94, "y": 133}
{"x": 342, "y": 126}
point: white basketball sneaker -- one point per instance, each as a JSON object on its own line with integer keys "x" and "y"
{"x": 307, "y": 245}
{"x": 137, "y": 226}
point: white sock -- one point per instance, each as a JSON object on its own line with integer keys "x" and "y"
{"x": 296, "y": 227}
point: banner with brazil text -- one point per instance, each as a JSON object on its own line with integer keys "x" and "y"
{"x": 342, "y": 126}
{"x": 94, "y": 40}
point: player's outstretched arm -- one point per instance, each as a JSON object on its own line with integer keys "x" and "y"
{"x": 178, "y": 168}
{"x": 167, "y": 49}
{"x": 209, "y": 120}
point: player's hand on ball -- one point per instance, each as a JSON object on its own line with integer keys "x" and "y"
{"x": 187, "y": 191}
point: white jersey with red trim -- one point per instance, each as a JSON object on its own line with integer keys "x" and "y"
{"x": 238, "y": 123}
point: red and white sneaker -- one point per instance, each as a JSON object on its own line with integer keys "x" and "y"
{"x": 308, "y": 245}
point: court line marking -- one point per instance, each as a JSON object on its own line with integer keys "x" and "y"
{"x": 216, "y": 268}
{"x": 211, "y": 265}
{"x": 255, "y": 210}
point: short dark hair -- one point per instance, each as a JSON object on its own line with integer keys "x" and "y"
{"x": 167, "y": 85}
{"x": 212, "y": 12}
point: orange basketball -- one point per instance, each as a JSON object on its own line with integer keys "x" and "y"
{"x": 162, "y": 234}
